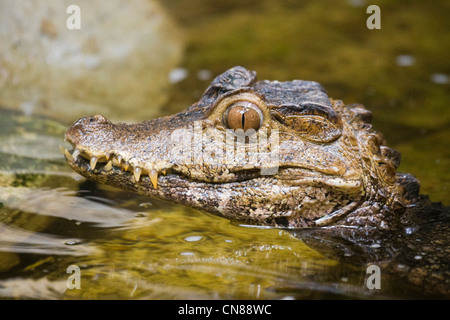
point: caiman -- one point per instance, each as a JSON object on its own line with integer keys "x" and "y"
{"x": 280, "y": 154}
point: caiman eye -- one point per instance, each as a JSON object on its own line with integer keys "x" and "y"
{"x": 243, "y": 115}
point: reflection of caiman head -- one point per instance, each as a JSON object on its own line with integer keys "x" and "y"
{"x": 258, "y": 152}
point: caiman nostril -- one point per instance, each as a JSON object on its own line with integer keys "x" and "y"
{"x": 97, "y": 119}
{"x": 79, "y": 122}
{"x": 89, "y": 122}
{"x": 82, "y": 128}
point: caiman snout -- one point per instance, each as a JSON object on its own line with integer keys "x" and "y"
{"x": 90, "y": 136}
{"x": 99, "y": 146}
{"x": 93, "y": 127}
{"x": 86, "y": 123}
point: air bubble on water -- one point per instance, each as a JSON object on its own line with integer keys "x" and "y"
{"x": 177, "y": 75}
{"x": 204, "y": 75}
{"x": 140, "y": 215}
{"x": 72, "y": 242}
{"x": 145, "y": 204}
{"x": 439, "y": 78}
{"x": 357, "y": 3}
{"x": 405, "y": 60}
{"x": 193, "y": 238}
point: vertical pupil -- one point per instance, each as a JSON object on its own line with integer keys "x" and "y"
{"x": 243, "y": 116}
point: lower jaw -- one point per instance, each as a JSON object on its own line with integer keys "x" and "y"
{"x": 203, "y": 196}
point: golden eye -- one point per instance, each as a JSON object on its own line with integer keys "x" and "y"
{"x": 243, "y": 115}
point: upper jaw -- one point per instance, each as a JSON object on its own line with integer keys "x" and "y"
{"x": 92, "y": 163}
{"x": 99, "y": 146}
{"x": 146, "y": 150}
{"x": 100, "y": 166}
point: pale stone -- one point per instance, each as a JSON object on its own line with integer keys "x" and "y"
{"x": 117, "y": 64}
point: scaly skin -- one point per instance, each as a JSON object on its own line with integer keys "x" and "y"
{"x": 310, "y": 162}
{"x": 330, "y": 166}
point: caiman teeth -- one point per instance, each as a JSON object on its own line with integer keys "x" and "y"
{"x": 71, "y": 157}
{"x": 75, "y": 153}
{"x": 67, "y": 154}
{"x": 112, "y": 162}
{"x": 154, "y": 177}
{"x": 137, "y": 173}
{"x": 93, "y": 162}
{"x": 108, "y": 166}
{"x": 62, "y": 149}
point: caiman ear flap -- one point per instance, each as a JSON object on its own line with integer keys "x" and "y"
{"x": 232, "y": 79}
{"x": 312, "y": 121}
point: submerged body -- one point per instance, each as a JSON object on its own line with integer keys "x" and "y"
{"x": 281, "y": 154}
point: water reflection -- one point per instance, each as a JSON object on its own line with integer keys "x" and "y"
{"x": 168, "y": 252}
{"x": 64, "y": 204}
{"x": 22, "y": 241}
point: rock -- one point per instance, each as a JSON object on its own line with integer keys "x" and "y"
{"x": 117, "y": 63}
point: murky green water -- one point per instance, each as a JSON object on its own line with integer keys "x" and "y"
{"x": 128, "y": 246}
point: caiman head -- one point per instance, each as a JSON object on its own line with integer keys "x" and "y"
{"x": 257, "y": 152}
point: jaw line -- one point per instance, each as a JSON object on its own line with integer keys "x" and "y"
{"x": 83, "y": 165}
{"x": 170, "y": 187}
